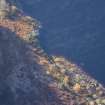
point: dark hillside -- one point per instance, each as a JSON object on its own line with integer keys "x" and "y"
{"x": 18, "y": 83}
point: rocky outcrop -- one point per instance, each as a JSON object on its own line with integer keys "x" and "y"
{"x": 21, "y": 28}
{"x": 28, "y": 75}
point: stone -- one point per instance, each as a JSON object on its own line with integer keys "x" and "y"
{"x": 77, "y": 87}
{"x": 91, "y": 103}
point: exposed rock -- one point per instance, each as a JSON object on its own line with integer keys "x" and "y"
{"x": 29, "y": 76}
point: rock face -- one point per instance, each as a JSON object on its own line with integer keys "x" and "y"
{"x": 29, "y": 76}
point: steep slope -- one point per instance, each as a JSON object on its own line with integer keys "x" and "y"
{"x": 30, "y": 76}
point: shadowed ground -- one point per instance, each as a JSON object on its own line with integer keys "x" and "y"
{"x": 18, "y": 84}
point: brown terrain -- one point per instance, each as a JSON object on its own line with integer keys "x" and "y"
{"x": 20, "y": 27}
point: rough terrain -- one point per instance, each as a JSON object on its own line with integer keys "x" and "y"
{"x": 29, "y": 76}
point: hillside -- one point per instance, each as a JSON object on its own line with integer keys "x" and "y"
{"x": 29, "y": 76}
